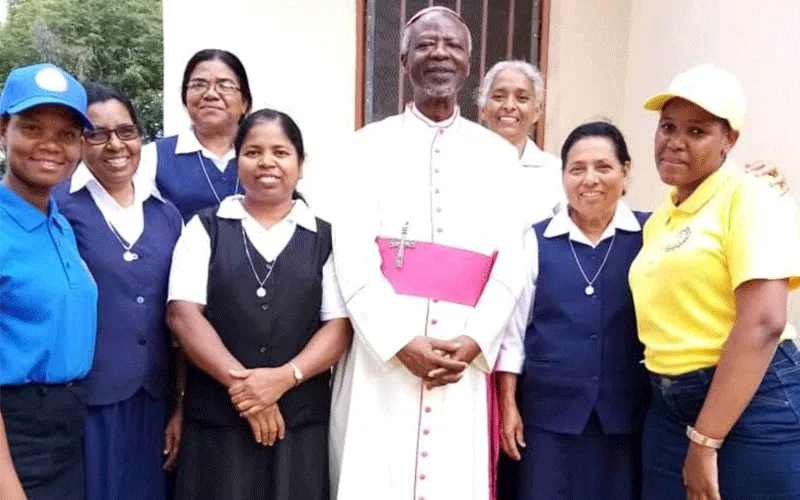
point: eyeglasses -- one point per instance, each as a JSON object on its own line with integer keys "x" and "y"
{"x": 201, "y": 87}
{"x": 100, "y": 136}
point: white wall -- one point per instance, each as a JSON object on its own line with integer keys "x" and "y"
{"x": 300, "y": 56}
{"x": 758, "y": 41}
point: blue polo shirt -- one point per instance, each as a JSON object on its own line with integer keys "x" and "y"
{"x": 48, "y": 299}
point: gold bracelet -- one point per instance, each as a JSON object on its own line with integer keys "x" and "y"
{"x": 298, "y": 375}
{"x": 702, "y": 439}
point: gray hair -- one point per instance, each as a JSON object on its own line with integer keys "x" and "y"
{"x": 529, "y": 70}
{"x": 405, "y": 39}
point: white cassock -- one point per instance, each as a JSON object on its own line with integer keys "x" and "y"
{"x": 455, "y": 184}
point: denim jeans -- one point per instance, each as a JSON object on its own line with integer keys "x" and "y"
{"x": 760, "y": 458}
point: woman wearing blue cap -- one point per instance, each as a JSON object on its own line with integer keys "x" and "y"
{"x": 126, "y": 233}
{"x": 48, "y": 299}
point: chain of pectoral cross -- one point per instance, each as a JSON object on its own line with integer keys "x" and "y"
{"x": 401, "y": 244}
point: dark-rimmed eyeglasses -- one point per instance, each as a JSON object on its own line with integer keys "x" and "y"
{"x": 100, "y": 136}
{"x": 222, "y": 87}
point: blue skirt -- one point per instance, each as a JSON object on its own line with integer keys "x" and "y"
{"x": 123, "y": 449}
{"x": 760, "y": 458}
{"x": 592, "y": 466}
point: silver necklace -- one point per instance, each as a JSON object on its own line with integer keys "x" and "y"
{"x": 127, "y": 256}
{"x": 208, "y": 179}
{"x": 589, "y": 290}
{"x": 261, "y": 292}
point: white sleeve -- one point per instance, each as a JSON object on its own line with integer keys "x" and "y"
{"x": 511, "y": 358}
{"x": 148, "y": 163}
{"x": 488, "y": 321}
{"x": 333, "y": 305}
{"x": 188, "y": 277}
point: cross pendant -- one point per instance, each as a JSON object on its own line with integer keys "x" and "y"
{"x": 401, "y": 245}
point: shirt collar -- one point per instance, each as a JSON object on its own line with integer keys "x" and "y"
{"x": 232, "y": 208}
{"x": 705, "y": 191}
{"x": 623, "y": 220}
{"x": 82, "y": 177}
{"x": 412, "y": 112}
{"x": 532, "y": 155}
{"x": 26, "y": 215}
{"x": 189, "y": 143}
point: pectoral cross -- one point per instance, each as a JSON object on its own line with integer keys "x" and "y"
{"x": 401, "y": 246}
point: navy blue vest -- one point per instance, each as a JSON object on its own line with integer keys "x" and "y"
{"x": 262, "y": 331}
{"x": 132, "y": 337}
{"x": 181, "y": 180}
{"x": 582, "y": 353}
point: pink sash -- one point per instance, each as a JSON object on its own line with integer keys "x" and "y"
{"x": 445, "y": 273}
{"x": 436, "y": 271}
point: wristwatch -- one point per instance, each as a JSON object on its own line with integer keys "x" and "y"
{"x": 701, "y": 439}
{"x": 298, "y": 375}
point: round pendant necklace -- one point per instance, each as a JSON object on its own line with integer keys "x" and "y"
{"x": 261, "y": 292}
{"x": 589, "y": 290}
{"x": 127, "y": 255}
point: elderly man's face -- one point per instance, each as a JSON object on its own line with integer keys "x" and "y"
{"x": 437, "y": 61}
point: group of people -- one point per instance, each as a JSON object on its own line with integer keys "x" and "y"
{"x": 180, "y": 306}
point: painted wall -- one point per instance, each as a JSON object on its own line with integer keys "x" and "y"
{"x": 647, "y": 42}
{"x": 300, "y": 56}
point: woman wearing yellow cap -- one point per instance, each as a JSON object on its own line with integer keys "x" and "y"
{"x": 710, "y": 287}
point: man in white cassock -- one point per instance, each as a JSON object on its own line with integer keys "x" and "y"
{"x": 427, "y": 248}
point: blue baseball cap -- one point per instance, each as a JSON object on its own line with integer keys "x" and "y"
{"x": 39, "y": 84}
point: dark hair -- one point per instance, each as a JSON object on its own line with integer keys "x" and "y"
{"x": 596, "y": 129}
{"x": 97, "y": 93}
{"x": 230, "y": 60}
{"x": 286, "y": 122}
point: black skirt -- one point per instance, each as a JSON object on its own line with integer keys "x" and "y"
{"x": 226, "y": 463}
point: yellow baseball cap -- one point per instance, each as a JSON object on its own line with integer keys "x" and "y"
{"x": 717, "y": 91}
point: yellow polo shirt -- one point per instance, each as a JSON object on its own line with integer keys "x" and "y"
{"x": 732, "y": 229}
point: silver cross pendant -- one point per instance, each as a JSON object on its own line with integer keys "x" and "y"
{"x": 401, "y": 244}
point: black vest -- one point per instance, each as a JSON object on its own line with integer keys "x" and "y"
{"x": 262, "y": 332}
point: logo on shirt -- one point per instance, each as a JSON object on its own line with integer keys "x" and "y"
{"x": 52, "y": 80}
{"x": 680, "y": 238}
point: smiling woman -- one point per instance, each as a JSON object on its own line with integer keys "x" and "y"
{"x": 49, "y": 300}
{"x": 571, "y": 343}
{"x": 125, "y": 233}
{"x": 510, "y": 101}
{"x": 256, "y": 306}
{"x": 197, "y": 168}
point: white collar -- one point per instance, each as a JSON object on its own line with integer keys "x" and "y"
{"x": 189, "y": 143}
{"x": 532, "y": 156}
{"x": 232, "y": 208}
{"x": 142, "y": 189}
{"x": 623, "y": 220}
{"x": 412, "y": 111}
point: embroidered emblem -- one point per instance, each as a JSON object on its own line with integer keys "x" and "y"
{"x": 51, "y": 80}
{"x": 680, "y": 239}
